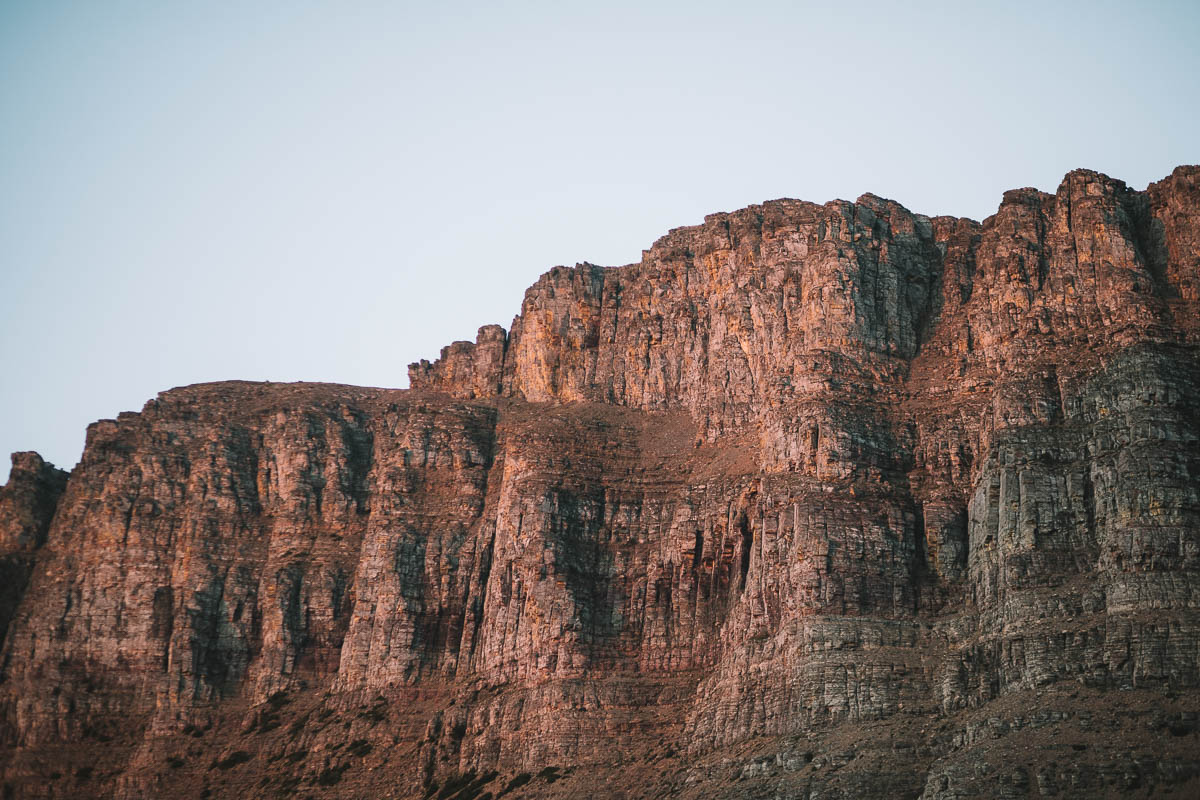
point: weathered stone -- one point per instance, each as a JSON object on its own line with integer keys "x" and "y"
{"x": 813, "y": 501}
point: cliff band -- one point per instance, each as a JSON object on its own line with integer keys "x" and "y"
{"x": 814, "y": 501}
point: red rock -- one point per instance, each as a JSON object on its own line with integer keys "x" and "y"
{"x": 838, "y": 500}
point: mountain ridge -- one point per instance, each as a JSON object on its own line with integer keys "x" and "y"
{"x": 814, "y": 499}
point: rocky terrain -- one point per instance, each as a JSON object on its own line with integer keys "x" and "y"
{"x": 815, "y": 501}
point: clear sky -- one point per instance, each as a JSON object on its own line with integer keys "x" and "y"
{"x": 328, "y": 191}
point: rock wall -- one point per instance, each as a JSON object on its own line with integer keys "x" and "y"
{"x": 797, "y": 505}
{"x": 27, "y": 505}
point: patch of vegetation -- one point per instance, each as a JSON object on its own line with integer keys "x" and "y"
{"x": 84, "y": 774}
{"x": 516, "y": 783}
{"x": 287, "y": 787}
{"x": 467, "y": 786}
{"x": 550, "y": 774}
{"x": 296, "y": 727}
{"x": 297, "y": 757}
{"x": 278, "y": 700}
{"x": 331, "y": 776}
{"x": 175, "y": 762}
{"x": 376, "y": 713}
{"x": 195, "y": 732}
{"x": 456, "y": 783}
{"x": 233, "y": 759}
{"x": 359, "y": 748}
{"x": 267, "y": 720}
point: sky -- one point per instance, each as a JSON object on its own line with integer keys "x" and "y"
{"x": 328, "y": 191}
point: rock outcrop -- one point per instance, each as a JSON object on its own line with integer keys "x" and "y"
{"x": 813, "y": 501}
{"x": 27, "y": 506}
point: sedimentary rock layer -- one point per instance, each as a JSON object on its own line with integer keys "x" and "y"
{"x": 833, "y": 499}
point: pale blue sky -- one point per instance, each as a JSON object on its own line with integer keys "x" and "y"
{"x": 328, "y": 191}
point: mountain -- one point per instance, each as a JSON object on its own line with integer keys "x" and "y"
{"x": 815, "y": 501}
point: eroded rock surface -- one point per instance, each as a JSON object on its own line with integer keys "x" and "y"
{"x": 813, "y": 501}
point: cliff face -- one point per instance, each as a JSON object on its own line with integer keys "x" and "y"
{"x": 829, "y": 499}
{"x": 27, "y": 506}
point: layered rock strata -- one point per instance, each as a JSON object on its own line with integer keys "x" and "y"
{"x": 836, "y": 501}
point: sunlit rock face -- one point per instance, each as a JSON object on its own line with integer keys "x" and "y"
{"x": 813, "y": 501}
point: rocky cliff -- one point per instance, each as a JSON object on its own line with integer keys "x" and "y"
{"x": 813, "y": 501}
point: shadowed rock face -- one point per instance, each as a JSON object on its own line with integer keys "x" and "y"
{"x": 837, "y": 501}
{"x": 27, "y": 506}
